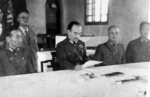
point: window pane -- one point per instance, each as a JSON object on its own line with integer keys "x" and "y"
{"x": 104, "y": 18}
{"x": 96, "y": 11}
{"x": 104, "y": 7}
{"x": 93, "y": 18}
{"x": 89, "y": 19}
{"x": 97, "y": 7}
{"x": 90, "y": 1}
{"x": 97, "y": 18}
{"x": 90, "y": 6}
{"x": 88, "y": 10}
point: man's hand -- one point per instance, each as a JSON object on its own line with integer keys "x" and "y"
{"x": 78, "y": 67}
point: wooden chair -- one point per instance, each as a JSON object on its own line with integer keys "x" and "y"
{"x": 54, "y": 62}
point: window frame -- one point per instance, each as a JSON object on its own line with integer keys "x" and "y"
{"x": 95, "y": 23}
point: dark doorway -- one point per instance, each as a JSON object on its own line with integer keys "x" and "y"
{"x": 53, "y": 20}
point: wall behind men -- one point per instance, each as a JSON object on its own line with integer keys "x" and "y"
{"x": 127, "y": 14}
{"x": 37, "y": 15}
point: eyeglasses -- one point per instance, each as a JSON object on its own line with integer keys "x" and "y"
{"x": 76, "y": 33}
{"x": 24, "y": 17}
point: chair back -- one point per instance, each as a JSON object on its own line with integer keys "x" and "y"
{"x": 54, "y": 62}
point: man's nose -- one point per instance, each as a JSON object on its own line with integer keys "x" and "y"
{"x": 114, "y": 35}
{"x": 78, "y": 36}
{"x": 20, "y": 39}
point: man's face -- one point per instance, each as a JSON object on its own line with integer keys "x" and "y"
{"x": 145, "y": 31}
{"x": 113, "y": 34}
{"x": 23, "y": 19}
{"x": 15, "y": 40}
{"x": 75, "y": 32}
{"x": 1, "y": 14}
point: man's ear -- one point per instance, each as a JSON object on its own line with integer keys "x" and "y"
{"x": 68, "y": 32}
{"x": 8, "y": 39}
{"x": 18, "y": 19}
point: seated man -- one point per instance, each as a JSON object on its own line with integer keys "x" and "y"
{"x": 111, "y": 52}
{"x": 138, "y": 50}
{"x": 71, "y": 52}
{"x": 14, "y": 59}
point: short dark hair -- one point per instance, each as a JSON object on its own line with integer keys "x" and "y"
{"x": 143, "y": 23}
{"x": 73, "y": 23}
{"x": 113, "y": 26}
{"x": 10, "y": 33}
{"x": 24, "y": 11}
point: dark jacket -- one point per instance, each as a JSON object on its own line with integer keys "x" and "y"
{"x": 110, "y": 54}
{"x": 70, "y": 55}
{"x": 30, "y": 42}
{"x": 15, "y": 62}
{"x": 138, "y": 51}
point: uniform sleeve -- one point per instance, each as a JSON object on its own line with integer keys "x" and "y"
{"x": 129, "y": 53}
{"x": 62, "y": 59}
{"x": 98, "y": 55}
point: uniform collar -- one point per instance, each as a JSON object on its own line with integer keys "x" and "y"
{"x": 10, "y": 49}
{"x": 70, "y": 41}
{"x": 22, "y": 29}
{"x": 73, "y": 42}
{"x": 144, "y": 40}
{"x": 112, "y": 42}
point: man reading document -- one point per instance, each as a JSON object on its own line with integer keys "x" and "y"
{"x": 71, "y": 52}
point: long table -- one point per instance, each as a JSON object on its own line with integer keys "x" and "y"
{"x": 67, "y": 83}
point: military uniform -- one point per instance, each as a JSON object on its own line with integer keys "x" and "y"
{"x": 30, "y": 42}
{"x": 138, "y": 51}
{"x": 15, "y": 62}
{"x": 110, "y": 54}
{"x": 69, "y": 54}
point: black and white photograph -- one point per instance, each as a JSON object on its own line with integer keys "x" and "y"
{"x": 74, "y": 48}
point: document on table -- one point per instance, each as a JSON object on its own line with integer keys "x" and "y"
{"x": 90, "y": 63}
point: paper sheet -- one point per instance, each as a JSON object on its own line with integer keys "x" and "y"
{"x": 90, "y": 63}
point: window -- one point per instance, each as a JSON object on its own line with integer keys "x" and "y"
{"x": 96, "y": 12}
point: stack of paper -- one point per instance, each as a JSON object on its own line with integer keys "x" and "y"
{"x": 90, "y": 63}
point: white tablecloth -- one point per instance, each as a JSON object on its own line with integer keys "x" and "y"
{"x": 69, "y": 83}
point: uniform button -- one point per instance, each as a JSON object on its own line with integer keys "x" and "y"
{"x": 11, "y": 59}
